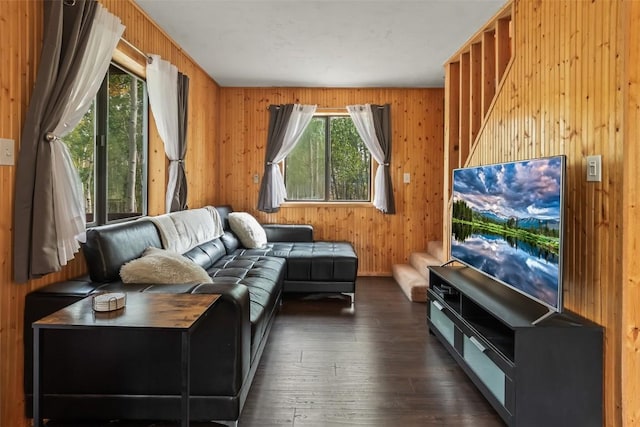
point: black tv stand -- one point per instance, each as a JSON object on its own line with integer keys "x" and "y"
{"x": 535, "y": 368}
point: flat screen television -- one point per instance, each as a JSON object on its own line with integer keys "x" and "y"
{"x": 507, "y": 222}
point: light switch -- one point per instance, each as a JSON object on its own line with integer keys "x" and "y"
{"x": 406, "y": 178}
{"x": 594, "y": 168}
{"x": 256, "y": 179}
{"x": 7, "y": 152}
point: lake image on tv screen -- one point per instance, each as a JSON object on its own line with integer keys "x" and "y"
{"x": 506, "y": 223}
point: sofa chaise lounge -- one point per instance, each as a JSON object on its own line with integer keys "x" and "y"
{"x": 225, "y": 349}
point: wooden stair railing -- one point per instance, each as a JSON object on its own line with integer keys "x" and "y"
{"x": 473, "y": 78}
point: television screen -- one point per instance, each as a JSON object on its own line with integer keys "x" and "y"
{"x": 507, "y": 223}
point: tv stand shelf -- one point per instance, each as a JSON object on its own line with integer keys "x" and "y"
{"x": 534, "y": 368}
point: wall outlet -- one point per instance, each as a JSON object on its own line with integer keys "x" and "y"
{"x": 7, "y": 152}
{"x": 256, "y": 179}
{"x": 406, "y": 178}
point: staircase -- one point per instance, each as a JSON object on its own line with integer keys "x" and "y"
{"x": 413, "y": 278}
{"x": 474, "y": 76}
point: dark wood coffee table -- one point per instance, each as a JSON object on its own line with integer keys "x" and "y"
{"x": 179, "y": 313}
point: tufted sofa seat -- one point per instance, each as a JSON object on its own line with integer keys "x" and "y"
{"x": 312, "y": 266}
{"x": 226, "y": 347}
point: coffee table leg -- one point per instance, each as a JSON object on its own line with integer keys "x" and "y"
{"x": 186, "y": 378}
{"x": 37, "y": 422}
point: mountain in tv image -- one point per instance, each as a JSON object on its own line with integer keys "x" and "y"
{"x": 506, "y": 223}
{"x": 527, "y": 223}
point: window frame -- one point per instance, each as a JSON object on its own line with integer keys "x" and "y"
{"x": 327, "y": 165}
{"x": 101, "y": 131}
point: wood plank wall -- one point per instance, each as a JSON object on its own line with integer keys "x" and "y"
{"x": 473, "y": 74}
{"x": 563, "y": 94}
{"x": 380, "y": 240}
{"x": 631, "y": 224}
{"x": 21, "y": 23}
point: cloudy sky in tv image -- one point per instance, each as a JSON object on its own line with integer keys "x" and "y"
{"x": 520, "y": 189}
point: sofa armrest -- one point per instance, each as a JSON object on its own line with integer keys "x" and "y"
{"x": 222, "y": 346}
{"x": 288, "y": 232}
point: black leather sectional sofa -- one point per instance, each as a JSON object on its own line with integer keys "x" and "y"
{"x": 130, "y": 375}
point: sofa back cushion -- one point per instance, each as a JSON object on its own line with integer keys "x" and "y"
{"x": 206, "y": 254}
{"x": 109, "y": 246}
{"x": 229, "y": 239}
{"x": 223, "y": 212}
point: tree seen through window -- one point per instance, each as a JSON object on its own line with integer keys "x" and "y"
{"x": 329, "y": 163}
{"x": 108, "y": 148}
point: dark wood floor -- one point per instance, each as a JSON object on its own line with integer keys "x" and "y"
{"x": 328, "y": 363}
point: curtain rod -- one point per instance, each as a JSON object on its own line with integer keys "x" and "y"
{"x": 332, "y": 108}
{"x": 136, "y": 49}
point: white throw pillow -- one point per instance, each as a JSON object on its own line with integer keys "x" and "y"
{"x": 162, "y": 266}
{"x": 248, "y": 230}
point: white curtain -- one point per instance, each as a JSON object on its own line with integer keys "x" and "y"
{"x": 162, "y": 85}
{"x": 363, "y": 120}
{"x": 69, "y": 209}
{"x": 300, "y": 119}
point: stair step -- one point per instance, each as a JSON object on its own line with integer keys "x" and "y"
{"x": 412, "y": 283}
{"x": 435, "y": 248}
{"x": 421, "y": 260}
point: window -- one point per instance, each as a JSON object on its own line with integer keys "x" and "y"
{"x": 109, "y": 149}
{"x": 330, "y": 163}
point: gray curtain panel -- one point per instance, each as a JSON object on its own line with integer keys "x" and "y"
{"x": 66, "y": 29}
{"x": 279, "y": 116}
{"x": 179, "y": 200}
{"x": 382, "y": 124}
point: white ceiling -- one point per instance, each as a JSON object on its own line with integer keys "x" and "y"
{"x": 322, "y": 43}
